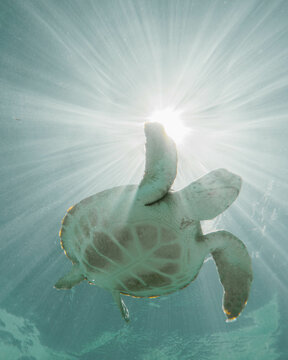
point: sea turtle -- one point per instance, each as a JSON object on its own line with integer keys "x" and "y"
{"x": 146, "y": 241}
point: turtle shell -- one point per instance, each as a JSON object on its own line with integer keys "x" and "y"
{"x": 131, "y": 248}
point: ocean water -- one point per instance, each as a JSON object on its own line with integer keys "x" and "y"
{"x": 77, "y": 81}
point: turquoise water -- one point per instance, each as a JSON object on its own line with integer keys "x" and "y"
{"x": 77, "y": 81}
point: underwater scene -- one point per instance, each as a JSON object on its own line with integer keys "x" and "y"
{"x": 78, "y": 81}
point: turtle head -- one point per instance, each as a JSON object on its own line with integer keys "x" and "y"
{"x": 154, "y": 130}
{"x": 161, "y": 164}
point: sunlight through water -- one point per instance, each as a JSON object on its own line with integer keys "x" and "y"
{"x": 171, "y": 120}
{"x": 78, "y": 80}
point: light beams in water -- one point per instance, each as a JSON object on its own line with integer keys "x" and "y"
{"x": 110, "y": 72}
{"x": 82, "y": 77}
{"x": 171, "y": 120}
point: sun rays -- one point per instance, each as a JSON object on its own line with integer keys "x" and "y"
{"x": 82, "y": 78}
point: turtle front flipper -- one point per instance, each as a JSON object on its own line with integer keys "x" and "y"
{"x": 123, "y": 308}
{"x": 210, "y": 195}
{"x": 72, "y": 278}
{"x": 160, "y": 166}
{"x": 235, "y": 270}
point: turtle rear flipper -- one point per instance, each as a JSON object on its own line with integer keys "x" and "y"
{"x": 160, "y": 166}
{"x": 235, "y": 270}
{"x": 123, "y": 308}
{"x": 210, "y": 195}
{"x": 72, "y": 278}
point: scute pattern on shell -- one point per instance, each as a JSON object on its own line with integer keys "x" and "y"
{"x": 138, "y": 259}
